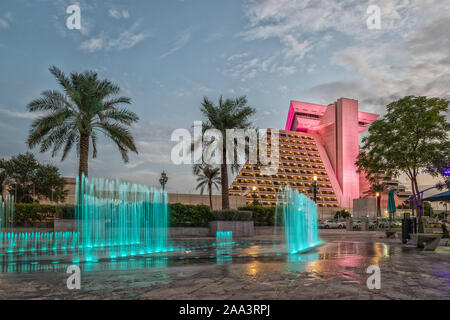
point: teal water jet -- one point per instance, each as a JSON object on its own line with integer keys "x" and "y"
{"x": 6, "y": 213}
{"x": 298, "y": 215}
{"x": 224, "y": 238}
{"x": 125, "y": 219}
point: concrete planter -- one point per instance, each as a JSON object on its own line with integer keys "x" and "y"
{"x": 188, "y": 232}
{"x": 259, "y": 231}
{"x": 239, "y": 228}
{"x": 64, "y": 225}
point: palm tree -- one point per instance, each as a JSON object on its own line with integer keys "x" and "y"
{"x": 87, "y": 106}
{"x": 228, "y": 114}
{"x": 207, "y": 177}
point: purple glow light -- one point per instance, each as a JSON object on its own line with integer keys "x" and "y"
{"x": 446, "y": 172}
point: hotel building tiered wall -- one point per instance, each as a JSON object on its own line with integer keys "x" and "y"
{"x": 299, "y": 160}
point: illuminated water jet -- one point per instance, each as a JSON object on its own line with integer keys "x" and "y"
{"x": 125, "y": 219}
{"x": 298, "y": 215}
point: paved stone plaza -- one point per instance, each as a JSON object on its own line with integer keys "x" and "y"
{"x": 335, "y": 270}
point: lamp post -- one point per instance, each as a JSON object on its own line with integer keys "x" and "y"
{"x": 254, "y": 188}
{"x": 163, "y": 180}
{"x": 378, "y": 204}
{"x": 315, "y": 188}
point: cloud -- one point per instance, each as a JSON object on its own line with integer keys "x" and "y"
{"x": 181, "y": 41}
{"x": 387, "y": 71}
{"x": 153, "y": 143}
{"x": 237, "y": 56}
{"x": 241, "y": 66}
{"x": 294, "y": 48}
{"x": 409, "y": 55}
{"x": 125, "y": 40}
{"x": 118, "y": 14}
{"x": 4, "y": 24}
{"x": 275, "y": 18}
{"x": 303, "y": 26}
{"x": 21, "y": 115}
{"x": 5, "y": 20}
{"x": 151, "y": 152}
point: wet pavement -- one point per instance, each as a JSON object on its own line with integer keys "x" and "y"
{"x": 249, "y": 269}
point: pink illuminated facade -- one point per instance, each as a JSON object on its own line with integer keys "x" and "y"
{"x": 336, "y": 130}
{"x": 319, "y": 142}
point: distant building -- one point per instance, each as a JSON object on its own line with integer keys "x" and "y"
{"x": 317, "y": 140}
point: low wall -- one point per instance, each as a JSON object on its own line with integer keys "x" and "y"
{"x": 188, "y": 232}
{"x": 239, "y": 228}
{"x": 261, "y": 231}
{"x": 64, "y": 225}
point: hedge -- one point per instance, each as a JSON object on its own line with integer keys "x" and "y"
{"x": 262, "y": 216}
{"x": 181, "y": 215}
{"x": 33, "y": 212}
{"x": 188, "y": 215}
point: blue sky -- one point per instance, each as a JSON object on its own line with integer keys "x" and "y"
{"x": 166, "y": 55}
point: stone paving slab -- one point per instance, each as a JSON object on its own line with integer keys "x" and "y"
{"x": 335, "y": 270}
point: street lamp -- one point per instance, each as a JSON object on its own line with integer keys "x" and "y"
{"x": 315, "y": 188}
{"x": 163, "y": 180}
{"x": 378, "y": 204}
{"x": 254, "y": 188}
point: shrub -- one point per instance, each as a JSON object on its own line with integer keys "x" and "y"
{"x": 342, "y": 214}
{"x": 33, "y": 212}
{"x": 188, "y": 215}
{"x": 65, "y": 212}
{"x": 262, "y": 216}
{"x": 232, "y": 215}
{"x": 445, "y": 231}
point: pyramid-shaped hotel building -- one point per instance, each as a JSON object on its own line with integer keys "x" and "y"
{"x": 318, "y": 140}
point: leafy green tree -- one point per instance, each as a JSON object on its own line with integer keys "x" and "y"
{"x": 49, "y": 184}
{"x": 3, "y": 178}
{"x": 86, "y": 107}
{"x": 30, "y": 181}
{"x": 342, "y": 214}
{"x": 208, "y": 177}
{"x": 227, "y": 114}
{"x": 20, "y": 173}
{"x": 442, "y": 170}
{"x": 428, "y": 209}
{"x": 410, "y": 138}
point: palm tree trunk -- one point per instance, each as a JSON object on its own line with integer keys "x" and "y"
{"x": 84, "y": 155}
{"x": 224, "y": 184}
{"x": 210, "y": 196}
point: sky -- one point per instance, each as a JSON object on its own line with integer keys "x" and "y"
{"x": 166, "y": 55}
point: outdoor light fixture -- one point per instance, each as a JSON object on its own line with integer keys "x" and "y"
{"x": 378, "y": 204}
{"x": 315, "y": 177}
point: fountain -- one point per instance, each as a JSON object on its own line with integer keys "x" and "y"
{"x": 224, "y": 238}
{"x": 124, "y": 219}
{"x": 113, "y": 219}
{"x": 224, "y": 247}
{"x": 123, "y": 225}
{"x": 298, "y": 216}
{"x": 6, "y": 213}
